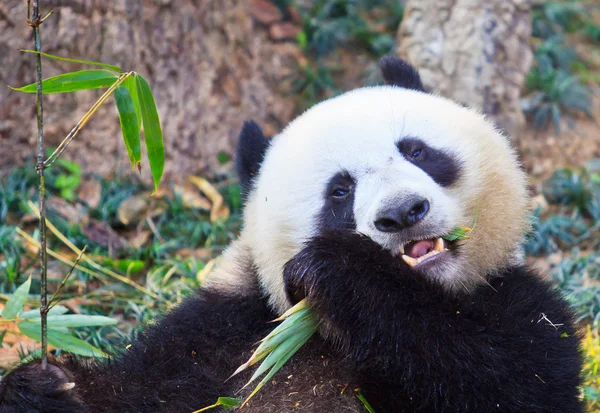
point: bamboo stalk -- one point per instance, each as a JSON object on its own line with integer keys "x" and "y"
{"x": 35, "y": 22}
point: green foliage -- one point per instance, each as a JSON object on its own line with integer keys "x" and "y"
{"x": 592, "y": 32}
{"x": 65, "y": 178}
{"x": 554, "y": 84}
{"x": 136, "y": 107}
{"x": 130, "y": 126}
{"x": 10, "y": 258}
{"x": 135, "y": 104}
{"x": 59, "y": 336}
{"x": 152, "y": 130}
{"x": 552, "y": 87}
{"x": 328, "y": 26}
{"x": 299, "y": 324}
{"x": 313, "y": 82}
{"x": 84, "y": 62}
{"x": 554, "y": 233}
{"x": 16, "y": 186}
{"x": 364, "y": 401}
{"x": 552, "y": 17}
{"x": 225, "y": 402}
{"x": 73, "y": 82}
{"x": 578, "y": 277}
{"x": 575, "y": 195}
{"x": 157, "y": 263}
{"x": 579, "y": 189}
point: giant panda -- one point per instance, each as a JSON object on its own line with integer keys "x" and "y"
{"x": 348, "y": 207}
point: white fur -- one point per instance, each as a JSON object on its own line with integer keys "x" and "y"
{"x": 357, "y": 132}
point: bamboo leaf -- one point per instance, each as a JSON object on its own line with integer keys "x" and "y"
{"x": 272, "y": 359}
{"x": 279, "y": 365}
{"x": 16, "y": 302}
{"x": 129, "y": 83}
{"x": 364, "y": 401}
{"x": 295, "y": 321}
{"x": 56, "y": 310}
{"x": 75, "y": 320}
{"x": 61, "y": 340}
{"x": 297, "y": 328}
{"x": 73, "y": 81}
{"x": 152, "y": 131}
{"x": 85, "y": 62}
{"x": 130, "y": 126}
{"x": 226, "y": 402}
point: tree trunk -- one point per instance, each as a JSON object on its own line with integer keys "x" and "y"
{"x": 210, "y": 64}
{"x": 473, "y": 51}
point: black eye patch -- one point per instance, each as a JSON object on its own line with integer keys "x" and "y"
{"x": 338, "y": 209}
{"x": 442, "y": 166}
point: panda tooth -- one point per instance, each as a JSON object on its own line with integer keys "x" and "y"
{"x": 401, "y": 249}
{"x": 410, "y": 260}
{"x": 439, "y": 245}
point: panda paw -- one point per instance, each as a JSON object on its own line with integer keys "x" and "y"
{"x": 29, "y": 388}
{"x": 349, "y": 280}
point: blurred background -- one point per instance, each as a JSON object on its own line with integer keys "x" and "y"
{"x": 532, "y": 66}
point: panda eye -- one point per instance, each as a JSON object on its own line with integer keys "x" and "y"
{"x": 340, "y": 192}
{"x": 416, "y": 153}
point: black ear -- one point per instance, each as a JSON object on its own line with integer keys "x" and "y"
{"x": 397, "y": 72}
{"x": 251, "y": 148}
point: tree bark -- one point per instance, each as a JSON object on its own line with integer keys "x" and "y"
{"x": 210, "y": 65}
{"x": 473, "y": 51}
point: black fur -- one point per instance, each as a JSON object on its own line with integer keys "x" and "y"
{"x": 443, "y": 167}
{"x": 399, "y": 73}
{"x": 414, "y": 348}
{"x": 251, "y": 148}
{"x": 338, "y": 213}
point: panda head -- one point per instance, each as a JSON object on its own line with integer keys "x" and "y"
{"x": 402, "y": 166}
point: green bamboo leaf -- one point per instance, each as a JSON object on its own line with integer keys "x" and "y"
{"x": 302, "y": 340}
{"x": 85, "y": 62}
{"x": 56, "y": 310}
{"x": 365, "y": 403}
{"x": 152, "y": 131}
{"x": 305, "y": 329}
{"x": 295, "y": 321}
{"x": 129, "y": 83}
{"x": 73, "y": 81}
{"x": 273, "y": 341}
{"x": 130, "y": 126}
{"x": 75, "y": 320}
{"x": 16, "y": 302}
{"x": 61, "y": 340}
{"x": 272, "y": 359}
{"x": 228, "y": 402}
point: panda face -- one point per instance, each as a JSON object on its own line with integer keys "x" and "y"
{"x": 400, "y": 166}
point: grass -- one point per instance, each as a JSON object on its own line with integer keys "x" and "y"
{"x": 330, "y": 28}
{"x": 557, "y": 82}
{"x": 179, "y": 241}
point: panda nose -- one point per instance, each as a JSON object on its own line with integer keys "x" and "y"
{"x": 403, "y": 216}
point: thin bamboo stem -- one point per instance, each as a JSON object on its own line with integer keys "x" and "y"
{"x": 35, "y": 24}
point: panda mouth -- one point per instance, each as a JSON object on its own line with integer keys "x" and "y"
{"x": 418, "y": 252}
